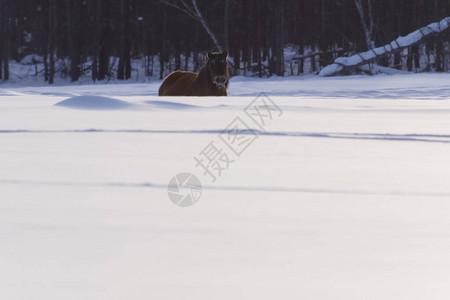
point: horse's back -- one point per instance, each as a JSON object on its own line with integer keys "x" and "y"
{"x": 177, "y": 83}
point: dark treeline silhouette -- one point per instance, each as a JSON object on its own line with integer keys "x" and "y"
{"x": 102, "y": 38}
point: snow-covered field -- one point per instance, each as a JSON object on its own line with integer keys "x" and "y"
{"x": 344, "y": 196}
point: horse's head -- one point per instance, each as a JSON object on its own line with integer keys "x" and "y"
{"x": 218, "y": 68}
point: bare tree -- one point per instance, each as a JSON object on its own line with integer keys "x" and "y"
{"x": 367, "y": 21}
{"x": 194, "y": 12}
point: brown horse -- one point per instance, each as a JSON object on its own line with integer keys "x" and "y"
{"x": 212, "y": 80}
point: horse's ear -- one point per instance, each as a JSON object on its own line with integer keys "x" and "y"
{"x": 209, "y": 54}
{"x": 225, "y": 54}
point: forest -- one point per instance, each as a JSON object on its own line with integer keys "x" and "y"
{"x": 118, "y": 39}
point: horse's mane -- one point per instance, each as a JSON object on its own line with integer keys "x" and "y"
{"x": 203, "y": 78}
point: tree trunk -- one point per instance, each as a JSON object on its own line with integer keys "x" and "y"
{"x": 437, "y": 42}
{"x": 45, "y": 61}
{"x": 226, "y": 23}
{"x": 313, "y": 60}
{"x": 177, "y": 58}
{"x": 397, "y": 61}
{"x": 162, "y": 52}
{"x": 6, "y": 62}
{"x": 195, "y": 13}
{"x": 186, "y": 59}
{"x": 438, "y": 56}
{"x": 301, "y": 63}
{"x": 5, "y": 38}
{"x": 325, "y": 57}
{"x": 367, "y": 22}
{"x": 279, "y": 36}
{"x": 96, "y": 28}
{"x": 205, "y": 25}
{"x": 416, "y": 55}
{"x": 103, "y": 29}
{"x": 124, "y": 71}
{"x": 409, "y": 60}
{"x": 74, "y": 55}
{"x": 44, "y": 22}
{"x": 237, "y": 60}
{"x": 52, "y": 37}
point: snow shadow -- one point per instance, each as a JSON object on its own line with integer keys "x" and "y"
{"x": 182, "y": 106}
{"x": 171, "y": 105}
{"x": 427, "y": 138}
{"x": 8, "y": 93}
{"x": 242, "y": 188}
{"x": 94, "y": 103}
{"x": 420, "y": 93}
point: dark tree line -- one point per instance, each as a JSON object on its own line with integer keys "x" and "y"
{"x": 103, "y": 37}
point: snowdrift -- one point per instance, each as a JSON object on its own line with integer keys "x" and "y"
{"x": 94, "y": 103}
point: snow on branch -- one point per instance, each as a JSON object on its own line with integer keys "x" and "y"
{"x": 401, "y": 43}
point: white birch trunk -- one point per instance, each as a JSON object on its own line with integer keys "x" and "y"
{"x": 367, "y": 24}
{"x": 205, "y": 25}
{"x": 195, "y": 13}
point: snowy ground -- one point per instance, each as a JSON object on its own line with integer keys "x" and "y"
{"x": 345, "y": 196}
